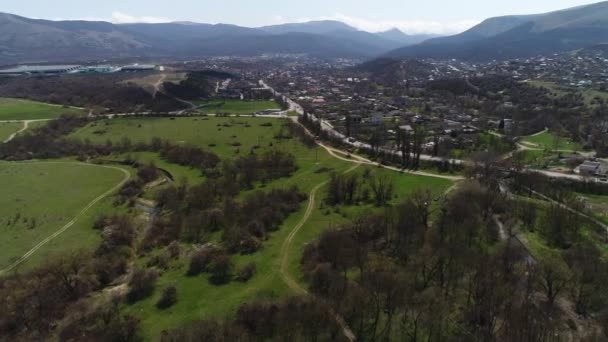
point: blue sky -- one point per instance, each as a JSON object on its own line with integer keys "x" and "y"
{"x": 420, "y": 16}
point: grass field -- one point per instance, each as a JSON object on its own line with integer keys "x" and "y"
{"x": 8, "y": 128}
{"x": 17, "y": 109}
{"x": 235, "y": 106}
{"x": 547, "y": 141}
{"x": 225, "y": 136}
{"x": 40, "y": 198}
{"x": 197, "y": 297}
{"x": 557, "y": 90}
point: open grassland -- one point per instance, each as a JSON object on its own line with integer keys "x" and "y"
{"x": 199, "y": 299}
{"x": 39, "y": 198}
{"x": 556, "y": 90}
{"x": 235, "y": 106}
{"x": 224, "y": 136}
{"x": 17, "y": 109}
{"x": 8, "y": 128}
{"x": 549, "y": 141}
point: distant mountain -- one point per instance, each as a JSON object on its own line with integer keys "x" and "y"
{"x": 520, "y": 36}
{"x": 399, "y": 36}
{"x": 24, "y": 40}
{"x": 315, "y": 27}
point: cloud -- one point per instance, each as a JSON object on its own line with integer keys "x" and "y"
{"x": 123, "y": 18}
{"x": 407, "y": 26}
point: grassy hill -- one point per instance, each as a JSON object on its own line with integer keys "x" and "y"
{"x": 18, "y": 109}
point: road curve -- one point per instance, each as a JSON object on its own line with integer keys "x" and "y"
{"x": 61, "y": 230}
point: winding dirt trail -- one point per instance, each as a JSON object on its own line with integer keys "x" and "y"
{"x": 158, "y": 85}
{"x": 287, "y": 244}
{"x": 26, "y": 124}
{"x": 67, "y": 226}
{"x": 289, "y": 240}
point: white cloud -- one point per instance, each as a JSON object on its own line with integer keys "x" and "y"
{"x": 407, "y": 26}
{"x": 123, "y": 18}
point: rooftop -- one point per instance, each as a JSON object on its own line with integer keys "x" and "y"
{"x": 38, "y": 68}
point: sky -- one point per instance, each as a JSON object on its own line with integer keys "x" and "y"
{"x": 420, "y": 16}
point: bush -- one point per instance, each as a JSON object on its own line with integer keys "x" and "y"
{"x": 200, "y": 261}
{"x": 247, "y": 272}
{"x": 141, "y": 285}
{"x": 168, "y": 298}
{"x": 221, "y": 268}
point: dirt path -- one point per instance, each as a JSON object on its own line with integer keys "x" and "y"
{"x": 287, "y": 244}
{"x": 159, "y": 84}
{"x": 26, "y": 124}
{"x": 289, "y": 240}
{"x": 71, "y": 223}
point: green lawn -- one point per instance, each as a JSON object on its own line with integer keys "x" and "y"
{"x": 225, "y": 136}
{"x": 17, "y": 109}
{"x": 8, "y": 128}
{"x": 547, "y": 141}
{"x": 235, "y": 106}
{"x": 40, "y": 198}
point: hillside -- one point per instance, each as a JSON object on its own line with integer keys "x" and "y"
{"x": 520, "y": 36}
{"x": 24, "y": 40}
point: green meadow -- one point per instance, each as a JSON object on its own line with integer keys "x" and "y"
{"x": 39, "y": 198}
{"x": 18, "y": 109}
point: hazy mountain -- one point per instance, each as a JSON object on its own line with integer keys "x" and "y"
{"x": 291, "y": 43}
{"x": 30, "y": 40}
{"x": 404, "y": 39}
{"x": 520, "y": 36}
{"x": 23, "y": 39}
{"x": 315, "y": 27}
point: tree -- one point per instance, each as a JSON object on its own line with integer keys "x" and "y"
{"x": 141, "y": 284}
{"x": 221, "y": 268}
{"x": 168, "y": 298}
{"x": 383, "y": 188}
{"x": 554, "y": 276}
{"x": 247, "y": 272}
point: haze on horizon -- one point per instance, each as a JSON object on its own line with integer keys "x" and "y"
{"x": 413, "y": 17}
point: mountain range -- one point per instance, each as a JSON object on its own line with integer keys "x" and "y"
{"x": 32, "y": 40}
{"x": 24, "y": 40}
{"x": 519, "y": 36}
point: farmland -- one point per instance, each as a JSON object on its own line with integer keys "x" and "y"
{"x": 40, "y": 198}
{"x": 17, "y": 109}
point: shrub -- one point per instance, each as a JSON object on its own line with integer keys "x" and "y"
{"x": 200, "y": 261}
{"x": 141, "y": 285}
{"x": 168, "y": 298}
{"x": 221, "y": 268}
{"x": 247, "y": 272}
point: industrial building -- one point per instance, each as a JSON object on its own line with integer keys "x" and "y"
{"x": 39, "y": 69}
{"x": 74, "y": 69}
{"x": 139, "y": 67}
